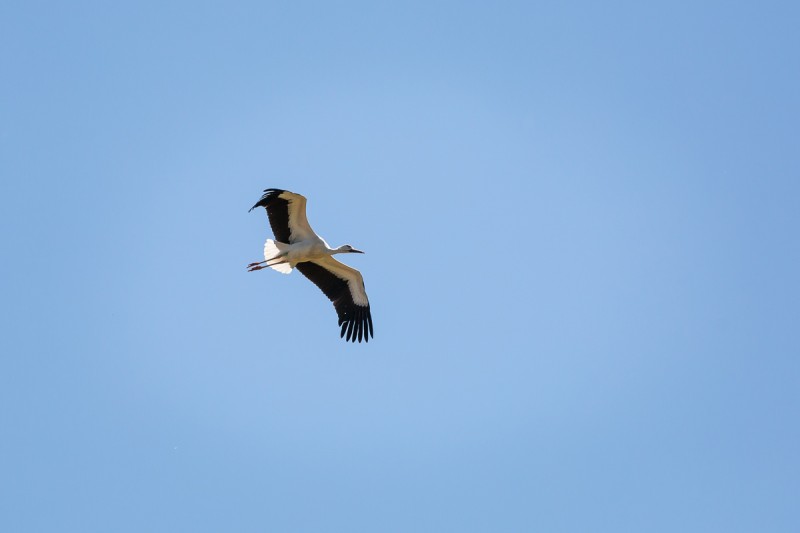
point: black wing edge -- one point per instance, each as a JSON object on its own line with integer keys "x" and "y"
{"x": 355, "y": 320}
{"x": 268, "y": 196}
{"x": 278, "y": 213}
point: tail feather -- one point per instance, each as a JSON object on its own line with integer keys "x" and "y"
{"x": 273, "y": 249}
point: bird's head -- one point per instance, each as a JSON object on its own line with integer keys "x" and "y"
{"x": 347, "y": 249}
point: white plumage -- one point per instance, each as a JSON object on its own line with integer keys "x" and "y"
{"x": 274, "y": 249}
{"x": 297, "y": 246}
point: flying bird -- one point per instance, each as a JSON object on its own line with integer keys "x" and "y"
{"x": 297, "y": 246}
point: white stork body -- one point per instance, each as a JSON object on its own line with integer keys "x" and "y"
{"x": 297, "y": 246}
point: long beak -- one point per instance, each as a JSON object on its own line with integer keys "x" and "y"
{"x": 354, "y": 251}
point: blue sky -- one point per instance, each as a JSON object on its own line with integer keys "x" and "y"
{"x": 581, "y": 231}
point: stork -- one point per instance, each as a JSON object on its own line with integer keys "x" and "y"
{"x": 297, "y": 246}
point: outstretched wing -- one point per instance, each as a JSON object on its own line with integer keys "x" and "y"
{"x": 344, "y": 286}
{"x": 287, "y": 215}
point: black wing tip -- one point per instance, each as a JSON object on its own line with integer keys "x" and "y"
{"x": 357, "y": 327}
{"x": 268, "y": 196}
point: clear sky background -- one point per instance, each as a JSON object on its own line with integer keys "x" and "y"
{"x": 581, "y": 231}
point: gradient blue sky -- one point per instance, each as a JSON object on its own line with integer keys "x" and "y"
{"x": 581, "y": 224}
